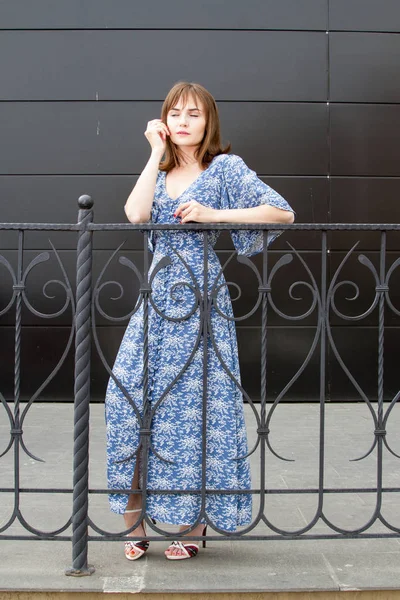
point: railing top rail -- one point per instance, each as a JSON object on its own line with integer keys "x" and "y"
{"x": 41, "y": 226}
{"x": 200, "y": 226}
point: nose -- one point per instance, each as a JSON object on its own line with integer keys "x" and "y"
{"x": 183, "y": 120}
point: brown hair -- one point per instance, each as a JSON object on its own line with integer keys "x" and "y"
{"x": 211, "y": 144}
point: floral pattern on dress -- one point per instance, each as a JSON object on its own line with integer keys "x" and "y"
{"x": 177, "y": 425}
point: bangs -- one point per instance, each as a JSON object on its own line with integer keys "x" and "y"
{"x": 184, "y": 92}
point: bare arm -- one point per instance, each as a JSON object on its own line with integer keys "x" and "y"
{"x": 258, "y": 214}
{"x": 194, "y": 211}
{"x": 140, "y": 200}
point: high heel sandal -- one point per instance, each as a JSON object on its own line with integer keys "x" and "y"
{"x": 135, "y": 549}
{"x": 188, "y": 550}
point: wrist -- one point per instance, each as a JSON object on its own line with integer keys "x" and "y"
{"x": 157, "y": 154}
{"x": 217, "y": 216}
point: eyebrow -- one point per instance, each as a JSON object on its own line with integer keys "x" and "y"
{"x": 190, "y": 109}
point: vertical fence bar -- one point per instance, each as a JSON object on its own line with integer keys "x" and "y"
{"x": 16, "y": 431}
{"x": 145, "y": 430}
{"x": 263, "y": 430}
{"x": 206, "y": 316}
{"x": 380, "y": 431}
{"x": 82, "y": 393}
{"x": 323, "y": 316}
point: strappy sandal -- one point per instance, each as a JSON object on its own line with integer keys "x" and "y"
{"x": 187, "y": 550}
{"x": 135, "y": 549}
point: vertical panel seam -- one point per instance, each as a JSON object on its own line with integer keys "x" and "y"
{"x": 329, "y": 142}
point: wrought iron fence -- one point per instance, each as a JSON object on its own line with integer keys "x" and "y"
{"x": 86, "y": 306}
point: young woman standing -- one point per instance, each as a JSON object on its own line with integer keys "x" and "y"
{"x": 189, "y": 177}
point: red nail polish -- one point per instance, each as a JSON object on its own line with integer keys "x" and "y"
{"x": 174, "y": 214}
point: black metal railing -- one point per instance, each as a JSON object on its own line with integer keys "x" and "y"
{"x": 85, "y": 306}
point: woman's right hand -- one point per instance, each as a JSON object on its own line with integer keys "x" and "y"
{"x": 156, "y": 134}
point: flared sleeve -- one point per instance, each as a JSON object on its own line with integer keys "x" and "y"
{"x": 244, "y": 189}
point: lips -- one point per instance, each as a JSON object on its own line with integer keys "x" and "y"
{"x": 182, "y": 133}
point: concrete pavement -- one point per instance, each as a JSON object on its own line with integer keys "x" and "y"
{"x": 225, "y": 566}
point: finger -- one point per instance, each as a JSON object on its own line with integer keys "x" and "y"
{"x": 162, "y": 133}
{"x": 182, "y": 207}
{"x": 156, "y": 125}
{"x": 186, "y": 211}
{"x": 188, "y": 219}
{"x": 189, "y": 214}
{"x": 157, "y": 128}
{"x": 162, "y": 130}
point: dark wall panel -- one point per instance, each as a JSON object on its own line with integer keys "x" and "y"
{"x": 364, "y": 67}
{"x": 365, "y": 200}
{"x": 358, "y": 349}
{"x": 42, "y": 199}
{"x": 42, "y": 348}
{"x": 309, "y": 198}
{"x": 107, "y": 138}
{"x": 364, "y": 15}
{"x": 287, "y": 350}
{"x": 81, "y": 78}
{"x": 175, "y": 14}
{"x": 115, "y": 65}
{"x": 365, "y": 140}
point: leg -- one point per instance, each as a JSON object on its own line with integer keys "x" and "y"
{"x": 137, "y": 547}
{"x": 134, "y": 504}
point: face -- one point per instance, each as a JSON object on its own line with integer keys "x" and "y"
{"x": 187, "y": 122}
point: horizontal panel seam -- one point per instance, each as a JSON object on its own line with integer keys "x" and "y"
{"x": 117, "y": 29}
{"x": 231, "y": 29}
{"x": 243, "y": 327}
{"x": 218, "y": 251}
{"x": 276, "y": 175}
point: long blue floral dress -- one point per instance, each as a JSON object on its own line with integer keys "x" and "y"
{"x": 175, "y": 460}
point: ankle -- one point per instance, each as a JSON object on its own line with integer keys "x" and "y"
{"x": 198, "y": 530}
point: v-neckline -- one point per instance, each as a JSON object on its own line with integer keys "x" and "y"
{"x": 186, "y": 189}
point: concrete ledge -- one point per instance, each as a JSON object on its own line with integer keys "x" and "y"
{"x": 345, "y": 595}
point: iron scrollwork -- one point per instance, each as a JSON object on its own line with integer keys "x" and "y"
{"x": 205, "y": 294}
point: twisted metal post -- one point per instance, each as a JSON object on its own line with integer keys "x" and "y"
{"x": 380, "y": 432}
{"x": 16, "y": 430}
{"x": 82, "y": 393}
{"x": 262, "y": 431}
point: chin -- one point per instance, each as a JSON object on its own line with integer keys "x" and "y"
{"x": 183, "y": 143}
{"x": 186, "y": 142}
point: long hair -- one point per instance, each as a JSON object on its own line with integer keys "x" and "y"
{"x": 211, "y": 144}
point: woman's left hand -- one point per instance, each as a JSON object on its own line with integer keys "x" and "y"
{"x": 194, "y": 211}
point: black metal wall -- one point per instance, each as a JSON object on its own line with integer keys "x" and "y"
{"x": 309, "y": 96}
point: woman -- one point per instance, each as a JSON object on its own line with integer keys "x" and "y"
{"x": 196, "y": 181}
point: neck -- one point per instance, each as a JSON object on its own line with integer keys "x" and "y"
{"x": 187, "y": 157}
